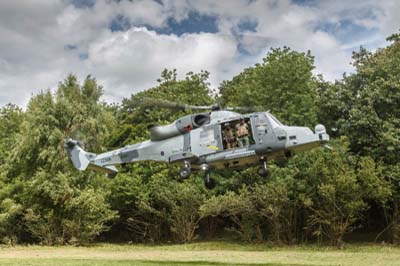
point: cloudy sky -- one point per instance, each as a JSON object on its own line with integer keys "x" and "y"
{"x": 126, "y": 44}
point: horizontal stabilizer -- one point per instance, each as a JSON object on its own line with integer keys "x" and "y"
{"x": 110, "y": 170}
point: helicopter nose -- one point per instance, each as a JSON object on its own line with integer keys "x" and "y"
{"x": 303, "y": 138}
{"x": 298, "y": 136}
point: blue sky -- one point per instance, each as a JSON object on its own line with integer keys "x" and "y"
{"x": 126, "y": 44}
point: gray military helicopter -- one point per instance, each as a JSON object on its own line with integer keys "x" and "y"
{"x": 199, "y": 142}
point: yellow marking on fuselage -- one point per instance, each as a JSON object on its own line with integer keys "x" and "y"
{"x": 212, "y": 147}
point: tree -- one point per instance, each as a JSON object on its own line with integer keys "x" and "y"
{"x": 185, "y": 214}
{"x": 283, "y": 83}
{"x": 151, "y": 206}
{"x": 53, "y": 197}
{"x": 276, "y": 203}
{"x": 134, "y": 119}
{"x": 10, "y": 221}
{"x": 239, "y": 209}
{"x": 337, "y": 188}
{"x": 11, "y": 118}
{"x": 366, "y": 108}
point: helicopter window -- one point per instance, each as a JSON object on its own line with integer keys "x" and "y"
{"x": 201, "y": 119}
{"x": 261, "y": 123}
{"x": 261, "y": 120}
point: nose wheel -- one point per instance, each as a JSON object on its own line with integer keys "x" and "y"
{"x": 263, "y": 169}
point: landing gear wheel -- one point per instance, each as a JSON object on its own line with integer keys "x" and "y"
{"x": 263, "y": 169}
{"x": 209, "y": 182}
{"x": 263, "y": 172}
{"x": 185, "y": 172}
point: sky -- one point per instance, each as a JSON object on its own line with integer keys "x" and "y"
{"x": 126, "y": 44}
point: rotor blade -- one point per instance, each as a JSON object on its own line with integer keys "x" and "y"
{"x": 199, "y": 107}
{"x": 159, "y": 103}
{"x": 244, "y": 108}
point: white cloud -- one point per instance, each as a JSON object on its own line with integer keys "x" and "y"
{"x": 134, "y": 59}
{"x": 390, "y": 21}
{"x": 43, "y": 41}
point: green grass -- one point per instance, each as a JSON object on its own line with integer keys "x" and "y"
{"x": 76, "y": 262}
{"x": 200, "y": 254}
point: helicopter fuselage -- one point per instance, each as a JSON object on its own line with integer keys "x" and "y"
{"x": 198, "y": 141}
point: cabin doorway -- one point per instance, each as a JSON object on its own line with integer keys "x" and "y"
{"x": 237, "y": 134}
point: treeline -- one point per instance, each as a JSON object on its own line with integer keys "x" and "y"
{"x": 318, "y": 196}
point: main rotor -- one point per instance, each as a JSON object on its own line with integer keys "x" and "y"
{"x": 148, "y": 102}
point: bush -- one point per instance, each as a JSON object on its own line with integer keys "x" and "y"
{"x": 239, "y": 209}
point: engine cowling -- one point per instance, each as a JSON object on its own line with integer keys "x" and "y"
{"x": 179, "y": 126}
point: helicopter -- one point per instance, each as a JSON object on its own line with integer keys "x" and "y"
{"x": 198, "y": 142}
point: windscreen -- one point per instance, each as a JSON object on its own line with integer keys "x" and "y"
{"x": 274, "y": 121}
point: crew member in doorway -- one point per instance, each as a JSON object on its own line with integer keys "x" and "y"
{"x": 242, "y": 132}
{"x": 229, "y": 135}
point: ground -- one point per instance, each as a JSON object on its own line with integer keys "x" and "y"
{"x": 200, "y": 254}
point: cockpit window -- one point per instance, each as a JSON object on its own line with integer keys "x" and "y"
{"x": 274, "y": 121}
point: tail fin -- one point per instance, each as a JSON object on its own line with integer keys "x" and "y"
{"x": 83, "y": 160}
{"x": 79, "y": 157}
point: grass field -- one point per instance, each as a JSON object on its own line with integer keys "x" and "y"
{"x": 200, "y": 254}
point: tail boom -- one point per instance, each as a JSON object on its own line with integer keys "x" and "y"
{"x": 83, "y": 160}
{"x": 160, "y": 151}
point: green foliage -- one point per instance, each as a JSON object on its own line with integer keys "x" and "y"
{"x": 337, "y": 189}
{"x": 157, "y": 208}
{"x": 283, "y": 83}
{"x": 319, "y": 195}
{"x": 239, "y": 208}
{"x": 277, "y": 204}
{"x": 365, "y": 107}
{"x": 366, "y": 104}
{"x": 9, "y": 221}
{"x": 325, "y": 192}
{"x": 185, "y": 214}
{"x": 56, "y": 204}
{"x": 60, "y": 212}
{"x": 134, "y": 119}
{"x": 260, "y": 211}
{"x": 11, "y": 117}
